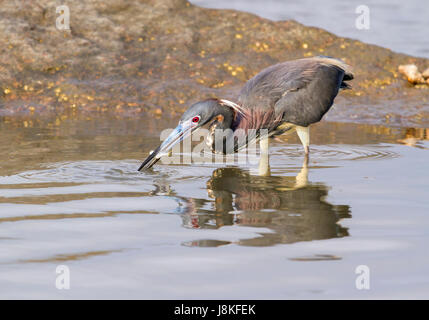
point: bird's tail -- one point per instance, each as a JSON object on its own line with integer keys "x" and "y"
{"x": 347, "y": 77}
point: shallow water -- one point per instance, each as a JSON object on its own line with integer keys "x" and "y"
{"x": 70, "y": 195}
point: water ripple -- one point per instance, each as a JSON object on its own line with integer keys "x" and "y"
{"x": 124, "y": 171}
{"x": 334, "y": 153}
{"x": 79, "y": 172}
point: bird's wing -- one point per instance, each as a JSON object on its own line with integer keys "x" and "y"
{"x": 299, "y": 91}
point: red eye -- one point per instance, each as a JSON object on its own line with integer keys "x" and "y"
{"x": 195, "y": 119}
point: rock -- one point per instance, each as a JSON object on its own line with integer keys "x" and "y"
{"x": 425, "y": 73}
{"x": 412, "y": 73}
{"x": 134, "y": 57}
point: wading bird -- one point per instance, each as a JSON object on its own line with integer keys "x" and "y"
{"x": 285, "y": 97}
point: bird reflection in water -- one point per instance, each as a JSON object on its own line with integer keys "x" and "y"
{"x": 290, "y": 206}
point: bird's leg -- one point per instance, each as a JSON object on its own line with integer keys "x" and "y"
{"x": 302, "y": 176}
{"x": 304, "y": 136}
{"x": 264, "y": 161}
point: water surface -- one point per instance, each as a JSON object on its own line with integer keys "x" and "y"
{"x": 70, "y": 195}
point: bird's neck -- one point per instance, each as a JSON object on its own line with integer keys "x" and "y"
{"x": 221, "y": 136}
{"x": 224, "y": 117}
{"x": 235, "y": 126}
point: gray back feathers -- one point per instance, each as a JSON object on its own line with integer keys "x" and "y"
{"x": 299, "y": 91}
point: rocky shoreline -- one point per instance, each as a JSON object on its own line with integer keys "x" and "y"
{"x": 154, "y": 58}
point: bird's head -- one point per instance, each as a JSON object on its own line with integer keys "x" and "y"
{"x": 194, "y": 118}
{"x": 199, "y": 114}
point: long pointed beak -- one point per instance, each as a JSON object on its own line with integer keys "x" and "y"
{"x": 181, "y": 132}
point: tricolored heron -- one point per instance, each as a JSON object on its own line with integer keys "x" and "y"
{"x": 288, "y": 96}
